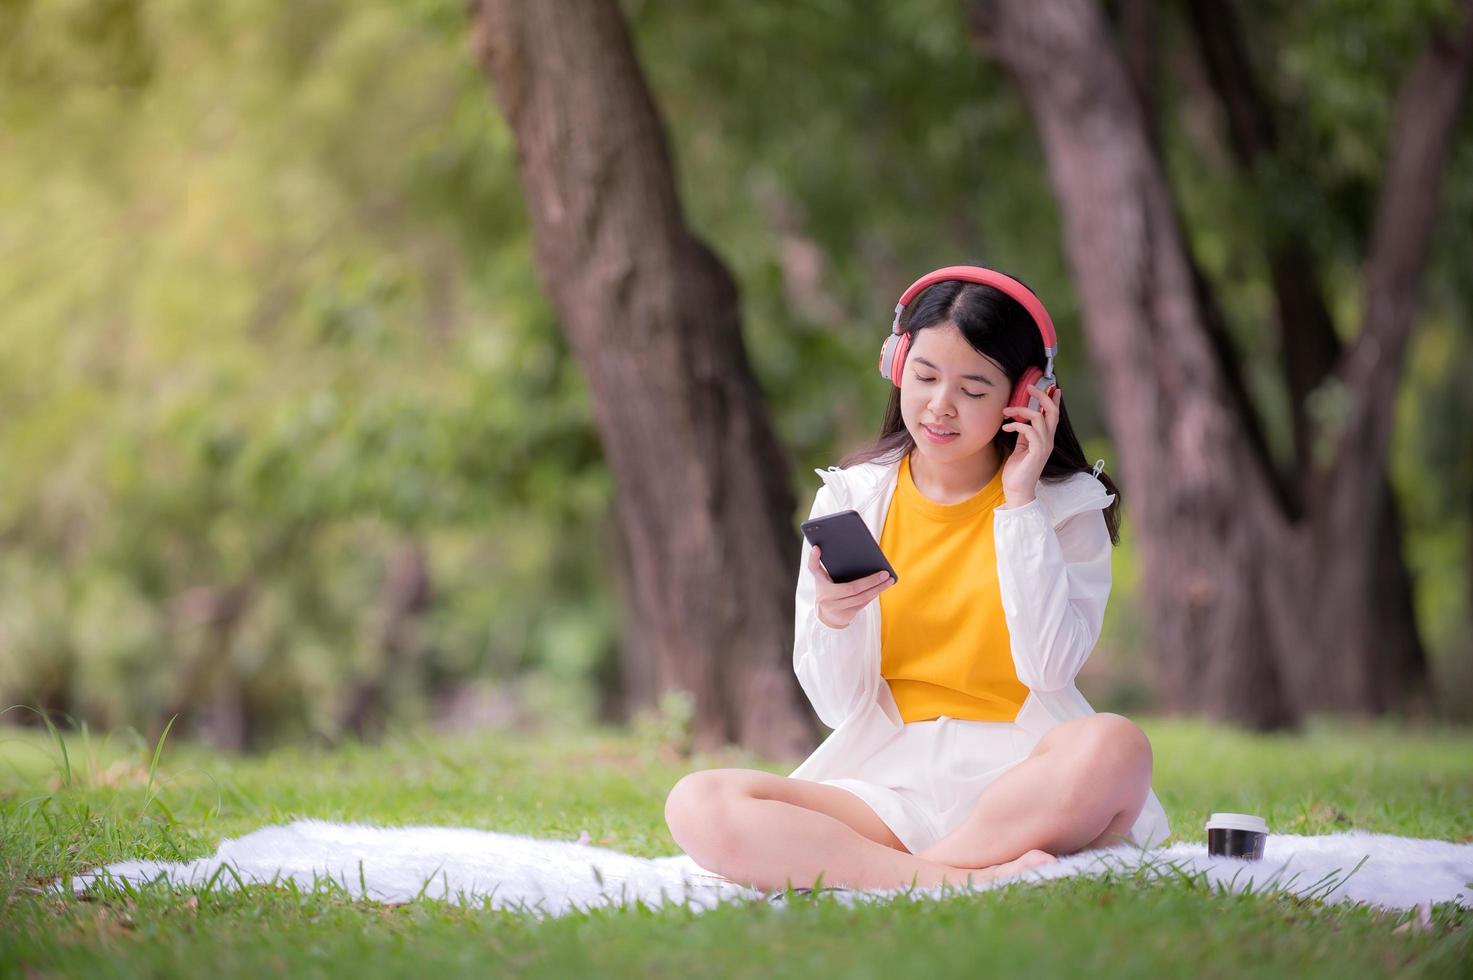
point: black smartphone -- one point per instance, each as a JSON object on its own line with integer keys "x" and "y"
{"x": 849, "y": 551}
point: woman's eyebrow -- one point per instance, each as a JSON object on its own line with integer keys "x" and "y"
{"x": 969, "y": 377}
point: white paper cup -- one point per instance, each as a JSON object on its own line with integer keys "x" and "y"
{"x": 1236, "y": 835}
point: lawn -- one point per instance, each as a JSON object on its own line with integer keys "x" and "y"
{"x": 105, "y": 798}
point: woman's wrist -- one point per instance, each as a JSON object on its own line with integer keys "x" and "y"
{"x": 1013, "y": 501}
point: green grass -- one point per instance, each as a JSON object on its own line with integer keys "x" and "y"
{"x": 71, "y": 801}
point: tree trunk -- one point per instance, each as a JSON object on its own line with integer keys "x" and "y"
{"x": 1389, "y": 668}
{"x": 1253, "y": 616}
{"x": 208, "y": 696}
{"x": 404, "y": 597}
{"x": 652, "y": 316}
{"x": 1306, "y": 332}
{"x": 1138, "y": 32}
{"x": 633, "y": 683}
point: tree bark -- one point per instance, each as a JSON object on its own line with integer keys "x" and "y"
{"x": 1311, "y": 348}
{"x": 652, "y": 316}
{"x": 1428, "y": 108}
{"x": 1306, "y": 330}
{"x": 1138, "y": 34}
{"x": 208, "y": 696}
{"x": 404, "y": 597}
{"x": 1138, "y": 38}
{"x": 1254, "y": 616}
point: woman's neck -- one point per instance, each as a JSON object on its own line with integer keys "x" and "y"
{"x": 954, "y": 481}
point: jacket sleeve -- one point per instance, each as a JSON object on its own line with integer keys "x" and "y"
{"x": 1055, "y": 582}
{"x": 829, "y": 662}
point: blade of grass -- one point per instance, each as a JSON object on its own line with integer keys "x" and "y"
{"x": 66, "y": 762}
{"x": 149, "y": 796}
{"x": 158, "y": 750}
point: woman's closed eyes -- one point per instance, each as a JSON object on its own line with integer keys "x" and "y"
{"x": 964, "y": 391}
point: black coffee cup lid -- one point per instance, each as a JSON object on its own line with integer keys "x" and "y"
{"x": 1236, "y": 821}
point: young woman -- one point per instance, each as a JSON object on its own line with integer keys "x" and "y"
{"x": 961, "y": 746}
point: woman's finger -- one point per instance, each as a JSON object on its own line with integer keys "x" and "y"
{"x": 1047, "y": 400}
{"x": 1019, "y": 413}
{"x": 1039, "y": 436}
{"x": 842, "y": 590}
{"x": 859, "y": 586}
{"x": 860, "y": 599}
{"x": 1050, "y": 403}
{"x": 819, "y": 572}
{"x": 862, "y": 585}
{"x": 1046, "y": 419}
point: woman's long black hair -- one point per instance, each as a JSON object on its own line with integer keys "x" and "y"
{"x": 997, "y": 326}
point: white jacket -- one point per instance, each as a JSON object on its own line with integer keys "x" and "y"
{"x": 1053, "y": 569}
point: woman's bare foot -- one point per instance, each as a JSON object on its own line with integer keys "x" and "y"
{"x": 957, "y": 877}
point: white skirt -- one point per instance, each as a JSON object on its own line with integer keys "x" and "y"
{"x": 924, "y": 781}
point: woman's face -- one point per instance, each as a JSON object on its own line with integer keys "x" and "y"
{"x": 948, "y": 386}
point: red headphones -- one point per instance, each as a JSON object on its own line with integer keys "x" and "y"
{"x": 892, "y": 354}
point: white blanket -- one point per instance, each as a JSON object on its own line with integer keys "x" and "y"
{"x": 550, "y": 877}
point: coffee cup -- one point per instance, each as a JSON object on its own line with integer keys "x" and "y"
{"x": 1236, "y": 835}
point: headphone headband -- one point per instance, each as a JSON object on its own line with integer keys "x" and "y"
{"x": 986, "y": 277}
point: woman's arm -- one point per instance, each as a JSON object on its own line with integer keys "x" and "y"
{"x": 1055, "y": 582}
{"x": 829, "y": 662}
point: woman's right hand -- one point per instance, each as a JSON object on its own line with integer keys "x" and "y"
{"x": 837, "y": 603}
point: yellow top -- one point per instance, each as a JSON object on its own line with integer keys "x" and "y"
{"x": 944, "y": 645}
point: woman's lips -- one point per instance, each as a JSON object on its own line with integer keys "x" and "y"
{"x": 937, "y": 438}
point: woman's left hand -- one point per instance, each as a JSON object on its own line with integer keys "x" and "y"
{"x": 1035, "y": 429}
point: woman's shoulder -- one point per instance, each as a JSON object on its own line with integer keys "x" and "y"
{"x": 858, "y": 476}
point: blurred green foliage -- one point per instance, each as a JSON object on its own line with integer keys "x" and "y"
{"x": 268, "y": 315}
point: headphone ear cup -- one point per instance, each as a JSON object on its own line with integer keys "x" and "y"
{"x": 1020, "y": 398}
{"x": 887, "y": 353}
{"x": 892, "y": 357}
{"x": 901, "y": 348}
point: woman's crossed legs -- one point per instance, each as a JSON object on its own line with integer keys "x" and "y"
{"x": 768, "y": 831}
{"x": 1081, "y": 787}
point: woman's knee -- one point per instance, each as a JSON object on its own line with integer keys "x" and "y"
{"x": 698, "y": 808}
{"x": 1103, "y": 751}
{"x": 1116, "y": 749}
{"x": 1118, "y": 740}
{"x": 1100, "y": 739}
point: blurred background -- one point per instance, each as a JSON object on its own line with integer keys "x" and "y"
{"x": 295, "y": 444}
